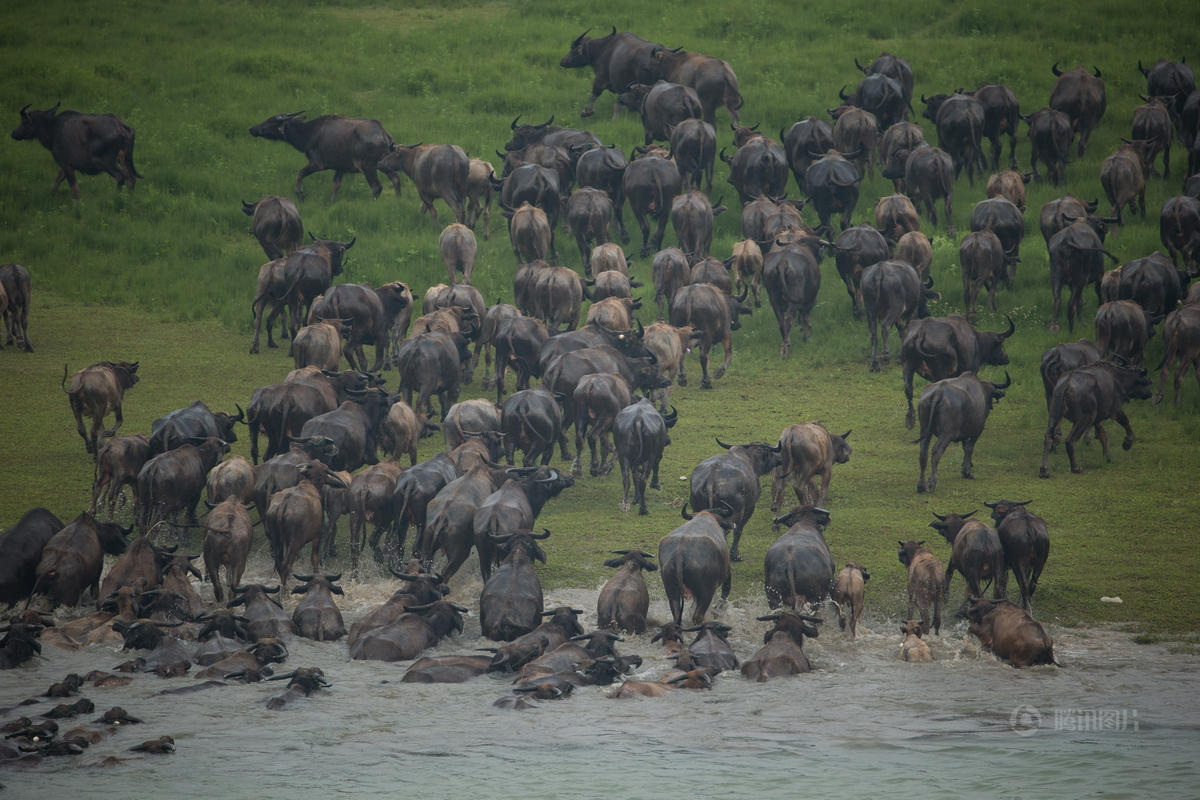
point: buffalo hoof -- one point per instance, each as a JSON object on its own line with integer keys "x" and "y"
{"x": 682, "y": 382}
{"x": 586, "y": 113}
{"x": 909, "y": 419}
{"x": 1043, "y": 473}
{"x": 624, "y": 506}
{"x": 643, "y": 511}
{"x": 874, "y": 366}
{"x": 969, "y": 475}
{"x": 706, "y": 384}
{"x": 655, "y": 484}
{"x": 1076, "y": 469}
{"x": 735, "y": 557}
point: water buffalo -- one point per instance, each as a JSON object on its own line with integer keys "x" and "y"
{"x": 1152, "y": 125}
{"x": 692, "y": 215}
{"x": 711, "y": 78}
{"x": 855, "y": 133}
{"x": 798, "y": 568}
{"x": 227, "y": 539}
{"x": 649, "y": 184}
{"x": 194, "y": 422}
{"x": 782, "y": 652}
{"x": 1062, "y": 358}
{"x": 20, "y": 550}
{"x": 117, "y": 465}
{"x": 881, "y": 95}
{"x": 173, "y": 481}
{"x": 589, "y": 213}
{"x": 624, "y": 599}
{"x": 439, "y": 171}
{"x": 809, "y": 452}
{"x": 1010, "y": 633}
{"x": 511, "y": 601}
{"x": 1124, "y": 178}
{"x": 95, "y": 391}
{"x": 342, "y": 144}
{"x": 617, "y": 60}
{"x": 1076, "y": 259}
{"x": 604, "y": 168}
{"x": 895, "y": 216}
{"x": 1062, "y": 211}
{"x": 929, "y": 175}
{"x": 353, "y": 427}
{"x": 88, "y": 143}
{"x": 856, "y": 249}
{"x": 1122, "y": 329}
{"x": 1179, "y": 229}
{"x": 712, "y": 314}
{"x": 848, "y": 591}
{"x": 1181, "y": 340}
{"x": 1050, "y": 142}
{"x": 832, "y": 183}
{"x": 1002, "y": 217}
{"x": 804, "y": 138}
{"x": 514, "y": 506}
{"x": 1173, "y": 81}
{"x": 430, "y": 364}
{"x": 942, "y": 347}
{"x": 694, "y": 147}
{"x": 1001, "y": 113}
{"x": 925, "y": 583}
{"x": 745, "y": 267}
{"x": 895, "y": 68}
{"x": 640, "y": 436}
{"x": 670, "y": 271}
{"x": 982, "y": 258}
{"x": 915, "y": 248}
{"x": 233, "y": 477}
{"x": 319, "y": 345}
{"x": 1026, "y": 544}
{"x": 955, "y": 410}
{"x": 895, "y": 145}
{"x": 1087, "y": 396}
{"x": 730, "y": 481}
{"x": 72, "y": 559}
{"x": 267, "y": 617}
{"x": 976, "y": 552}
{"x": 422, "y": 626}
{"x": 1010, "y": 185}
{"x": 792, "y": 278}
{"x": 662, "y": 106}
{"x": 294, "y": 517}
{"x": 1080, "y": 95}
{"x": 693, "y": 561}
{"x": 294, "y": 282}
{"x": 316, "y": 616}
{"x": 276, "y": 223}
{"x": 759, "y": 167}
{"x": 15, "y": 285}
{"x": 913, "y": 648}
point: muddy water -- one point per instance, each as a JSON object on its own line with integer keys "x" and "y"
{"x": 1117, "y": 719}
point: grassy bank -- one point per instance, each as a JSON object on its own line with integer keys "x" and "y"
{"x": 165, "y": 275}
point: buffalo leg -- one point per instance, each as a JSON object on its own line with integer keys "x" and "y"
{"x": 778, "y": 487}
{"x": 625, "y": 467}
{"x": 641, "y": 472}
{"x": 968, "y": 466}
{"x": 728, "y": 343}
{"x": 734, "y": 555}
{"x": 910, "y": 417}
{"x": 372, "y": 180}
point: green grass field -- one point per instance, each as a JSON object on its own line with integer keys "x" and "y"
{"x": 165, "y": 274}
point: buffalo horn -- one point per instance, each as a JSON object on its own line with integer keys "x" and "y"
{"x": 683, "y": 511}
{"x": 939, "y": 516}
{"x": 1007, "y": 381}
{"x": 545, "y": 534}
{"x": 860, "y": 66}
{"x": 1011, "y": 328}
{"x": 842, "y": 93}
{"x": 1053, "y": 69}
{"x": 726, "y": 446}
{"x": 1095, "y": 70}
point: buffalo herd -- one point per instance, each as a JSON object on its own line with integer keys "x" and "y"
{"x": 610, "y": 377}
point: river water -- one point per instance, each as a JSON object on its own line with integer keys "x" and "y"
{"x": 1117, "y": 719}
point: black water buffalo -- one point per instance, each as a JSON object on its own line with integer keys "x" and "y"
{"x": 553, "y": 157}
{"x": 604, "y": 168}
{"x": 281, "y": 410}
{"x": 1010, "y": 633}
{"x": 597, "y": 400}
{"x": 1087, "y": 396}
{"x": 895, "y": 68}
{"x": 981, "y": 256}
{"x": 1061, "y": 359}
{"x": 267, "y": 617}
{"x": 514, "y": 506}
{"x": 730, "y": 481}
{"x": 531, "y": 420}
{"x": 316, "y": 616}
{"x": 88, "y": 143}
{"x": 694, "y": 148}
{"x": 942, "y": 347}
{"x": 1171, "y": 80}
{"x": 759, "y": 167}
{"x": 1122, "y": 330}
{"x": 479, "y": 194}
{"x": 1179, "y": 229}
{"x": 693, "y": 561}
{"x": 1026, "y": 544}
{"x": 798, "y": 568}
{"x": 1152, "y": 126}
{"x": 276, "y": 223}
{"x": 1123, "y": 176}
{"x": 624, "y": 600}
{"x": 662, "y": 106}
{"x": 450, "y": 518}
{"x": 1181, "y": 340}
{"x": 893, "y": 294}
{"x": 15, "y": 285}
{"x": 72, "y": 559}
{"x": 1080, "y": 95}
{"x": 712, "y": 314}
{"x": 95, "y": 391}
{"x": 806, "y": 137}
{"x": 928, "y": 176}
{"x": 782, "y": 652}
{"x": 536, "y": 185}
{"x": 640, "y": 436}
{"x": 976, "y": 553}
{"x": 895, "y": 145}
{"x": 649, "y": 184}
{"x": 692, "y": 215}
{"x": 173, "y": 481}
{"x": 1050, "y": 142}
{"x": 589, "y": 213}
{"x": 511, "y": 602}
{"x": 1002, "y": 217}
{"x": 617, "y": 59}
{"x": 711, "y": 78}
{"x": 925, "y": 583}
{"x": 353, "y": 427}
{"x": 574, "y": 141}
{"x": 469, "y": 418}
{"x": 184, "y": 425}
{"x": 430, "y": 363}
{"x": 882, "y": 95}
{"x": 412, "y": 493}
{"x": 371, "y": 314}
{"x": 1076, "y": 259}
{"x": 419, "y": 628}
{"x": 21, "y": 550}
{"x": 856, "y": 249}
{"x": 832, "y": 183}
{"x": 437, "y": 170}
{"x": 564, "y": 374}
{"x": 792, "y": 277}
{"x": 955, "y": 410}
{"x": 342, "y": 144}
{"x": 670, "y": 271}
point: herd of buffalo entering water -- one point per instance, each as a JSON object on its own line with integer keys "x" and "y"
{"x": 324, "y": 428}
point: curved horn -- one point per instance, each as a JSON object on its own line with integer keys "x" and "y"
{"x": 1007, "y": 382}
{"x": 726, "y": 446}
{"x": 683, "y": 512}
{"x": 990, "y": 505}
{"x": 939, "y": 516}
{"x": 842, "y": 93}
{"x": 1095, "y": 70}
{"x": 513, "y": 125}
{"x": 1053, "y": 69}
{"x": 860, "y": 66}
{"x": 1011, "y": 328}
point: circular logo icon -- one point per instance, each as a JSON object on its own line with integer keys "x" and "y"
{"x": 1025, "y": 720}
